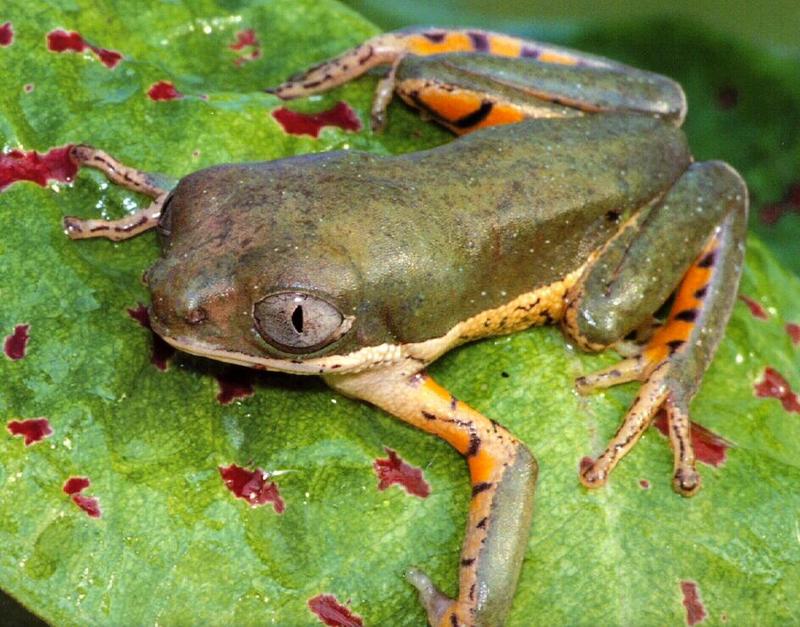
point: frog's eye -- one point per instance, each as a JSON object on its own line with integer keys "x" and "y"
{"x": 299, "y": 323}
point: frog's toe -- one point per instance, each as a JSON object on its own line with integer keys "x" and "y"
{"x": 630, "y": 369}
{"x": 438, "y": 606}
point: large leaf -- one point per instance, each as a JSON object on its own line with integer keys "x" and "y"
{"x": 173, "y": 545}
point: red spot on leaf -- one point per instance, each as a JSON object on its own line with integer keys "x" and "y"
{"x": 163, "y": 90}
{"x": 74, "y": 486}
{"x": 709, "y": 448}
{"x": 6, "y": 34}
{"x": 247, "y": 46}
{"x": 161, "y": 350}
{"x": 252, "y": 486}
{"x": 244, "y": 38}
{"x": 793, "y": 329}
{"x": 332, "y": 613}
{"x": 295, "y": 123}
{"x": 28, "y": 87}
{"x": 775, "y": 386}
{"x": 395, "y": 470}
{"x": 54, "y": 165}
{"x": 695, "y": 611}
{"x": 33, "y": 429}
{"x": 15, "y": 344}
{"x": 790, "y": 203}
{"x": 644, "y": 484}
{"x": 234, "y": 383}
{"x": 62, "y": 41}
{"x": 756, "y": 308}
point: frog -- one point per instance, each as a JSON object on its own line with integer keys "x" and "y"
{"x": 570, "y": 197}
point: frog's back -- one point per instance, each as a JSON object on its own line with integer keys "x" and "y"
{"x": 441, "y": 235}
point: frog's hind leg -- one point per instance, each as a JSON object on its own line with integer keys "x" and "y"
{"x": 124, "y": 176}
{"x": 392, "y": 48}
{"x": 503, "y": 477}
{"x": 706, "y": 210}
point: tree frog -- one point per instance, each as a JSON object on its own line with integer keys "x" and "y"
{"x": 572, "y": 199}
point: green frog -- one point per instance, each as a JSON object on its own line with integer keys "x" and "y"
{"x": 572, "y": 199}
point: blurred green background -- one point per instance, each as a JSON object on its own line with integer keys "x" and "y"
{"x": 775, "y": 23}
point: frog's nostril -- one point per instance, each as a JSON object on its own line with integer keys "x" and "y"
{"x": 196, "y": 316}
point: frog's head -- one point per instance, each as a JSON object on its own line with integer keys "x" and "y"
{"x": 249, "y": 292}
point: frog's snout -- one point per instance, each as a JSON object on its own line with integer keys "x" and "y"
{"x": 173, "y": 313}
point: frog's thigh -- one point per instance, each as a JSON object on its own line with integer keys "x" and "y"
{"x": 124, "y": 176}
{"x": 503, "y": 477}
{"x": 703, "y": 217}
{"x": 637, "y": 270}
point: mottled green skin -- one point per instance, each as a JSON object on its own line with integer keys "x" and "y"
{"x": 412, "y": 244}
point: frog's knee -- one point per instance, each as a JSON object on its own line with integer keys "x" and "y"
{"x": 594, "y": 324}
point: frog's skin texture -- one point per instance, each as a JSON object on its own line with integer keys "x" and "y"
{"x": 588, "y": 212}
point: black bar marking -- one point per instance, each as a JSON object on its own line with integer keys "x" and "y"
{"x": 476, "y": 117}
{"x": 708, "y": 260}
{"x": 428, "y": 415}
{"x": 675, "y": 345}
{"x": 474, "y": 445}
{"x": 529, "y": 53}
{"x": 480, "y": 487}
{"x": 687, "y": 315}
{"x": 701, "y": 293}
{"x": 479, "y": 41}
{"x": 435, "y": 37}
{"x": 469, "y": 561}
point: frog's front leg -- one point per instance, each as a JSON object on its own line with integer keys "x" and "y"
{"x": 702, "y": 218}
{"x": 124, "y": 176}
{"x": 503, "y": 477}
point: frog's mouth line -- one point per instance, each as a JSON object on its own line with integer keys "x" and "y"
{"x": 245, "y": 359}
{"x": 368, "y": 357}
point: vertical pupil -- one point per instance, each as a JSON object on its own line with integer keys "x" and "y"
{"x": 297, "y": 319}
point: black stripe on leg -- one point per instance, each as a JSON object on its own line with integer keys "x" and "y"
{"x": 480, "y": 487}
{"x": 675, "y": 345}
{"x": 687, "y": 315}
{"x": 436, "y": 37}
{"x": 474, "y": 445}
{"x": 476, "y": 117}
{"x": 708, "y": 260}
{"x": 479, "y": 41}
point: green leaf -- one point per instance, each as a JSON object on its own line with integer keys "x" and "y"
{"x": 173, "y": 545}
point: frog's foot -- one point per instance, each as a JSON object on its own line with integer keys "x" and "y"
{"x": 124, "y": 176}
{"x": 503, "y": 477}
{"x": 654, "y": 395}
{"x": 671, "y": 363}
{"x": 116, "y": 230}
{"x": 703, "y": 217}
{"x": 436, "y": 604}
